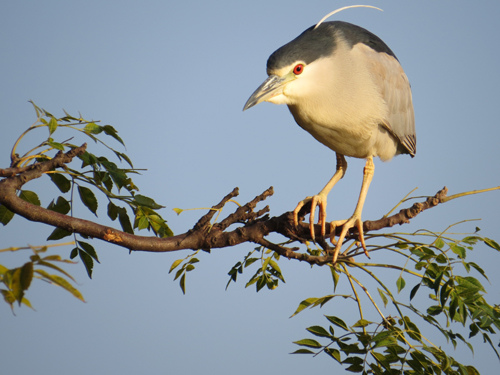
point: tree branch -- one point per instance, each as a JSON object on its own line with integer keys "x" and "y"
{"x": 251, "y": 226}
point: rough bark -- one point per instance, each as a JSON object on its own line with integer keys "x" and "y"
{"x": 243, "y": 225}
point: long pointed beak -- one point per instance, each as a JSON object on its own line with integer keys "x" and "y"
{"x": 271, "y": 87}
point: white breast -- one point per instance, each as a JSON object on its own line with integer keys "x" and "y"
{"x": 346, "y": 111}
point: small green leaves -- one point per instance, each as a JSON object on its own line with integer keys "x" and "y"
{"x": 87, "y": 254}
{"x": 60, "y": 281}
{"x": 18, "y": 280}
{"x": 267, "y": 275}
{"x": 115, "y": 212}
{"x": 187, "y": 266}
{"x": 98, "y": 176}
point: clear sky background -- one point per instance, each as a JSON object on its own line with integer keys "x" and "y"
{"x": 173, "y": 77}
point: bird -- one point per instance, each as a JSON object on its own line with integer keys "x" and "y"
{"x": 347, "y": 88}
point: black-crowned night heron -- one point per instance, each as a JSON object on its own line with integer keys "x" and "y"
{"x": 346, "y": 87}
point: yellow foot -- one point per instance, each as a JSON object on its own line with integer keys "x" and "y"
{"x": 353, "y": 222}
{"x": 316, "y": 201}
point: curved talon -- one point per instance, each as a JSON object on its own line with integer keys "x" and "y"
{"x": 346, "y": 225}
{"x": 296, "y": 211}
{"x": 333, "y": 229}
{"x": 316, "y": 201}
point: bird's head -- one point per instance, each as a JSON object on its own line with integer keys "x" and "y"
{"x": 295, "y": 68}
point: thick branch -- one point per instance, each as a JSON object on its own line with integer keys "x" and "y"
{"x": 248, "y": 225}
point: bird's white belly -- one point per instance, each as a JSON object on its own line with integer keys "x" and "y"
{"x": 355, "y": 141}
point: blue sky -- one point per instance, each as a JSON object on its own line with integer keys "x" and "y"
{"x": 173, "y": 77}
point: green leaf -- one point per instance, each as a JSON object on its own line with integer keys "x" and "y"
{"x": 73, "y": 253}
{"x": 414, "y": 291}
{"x": 142, "y": 200}
{"x": 478, "y": 269}
{"x": 384, "y": 339}
{"x": 303, "y": 351}
{"x": 335, "y": 277}
{"x": 383, "y": 297}
{"x": 471, "y": 284}
{"x": 304, "y": 304}
{"x": 54, "y": 267}
{"x": 491, "y": 243}
{"x": 55, "y": 145}
{"x": 87, "y": 159}
{"x": 62, "y": 183}
{"x": 30, "y": 197}
{"x": 434, "y": 310}
{"x": 52, "y": 125}
{"x": 6, "y": 215}
{"x": 89, "y": 249}
{"x": 58, "y": 280}
{"x": 121, "y": 156}
{"x": 274, "y": 266}
{"x": 125, "y": 221}
{"x": 310, "y": 343}
{"x": 87, "y": 262}
{"x": 175, "y": 264}
{"x": 250, "y": 261}
{"x": 338, "y": 322}
{"x": 113, "y": 211}
{"x": 459, "y": 250}
{"x": 26, "y": 275}
{"x": 92, "y": 128}
{"x": 88, "y": 199}
{"x": 109, "y": 130}
{"x": 62, "y": 206}
{"x": 3, "y": 269}
{"x": 400, "y": 283}
{"x": 58, "y": 233}
{"x": 439, "y": 243}
{"x": 8, "y": 297}
{"x": 261, "y": 283}
{"x": 15, "y": 284}
{"x": 362, "y": 323}
{"x": 141, "y": 222}
{"x": 319, "y": 331}
{"x": 412, "y": 329}
{"x": 182, "y": 283}
{"x": 334, "y": 353}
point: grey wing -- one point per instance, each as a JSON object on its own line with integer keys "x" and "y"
{"x": 396, "y": 92}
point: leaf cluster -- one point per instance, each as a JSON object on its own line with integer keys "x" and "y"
{"x": 97, "y": 174}
{"x": 185, "y": 265}
{"x": 16, "y": 281}
{"x": 268, "y": 273}
{"x": 394, "y": 344}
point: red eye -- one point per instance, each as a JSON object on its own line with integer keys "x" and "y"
{"x": 299, "y": 68}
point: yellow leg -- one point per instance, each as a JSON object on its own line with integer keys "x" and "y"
{"x": 319, "y": 200}
{"x": 355, "y": 220}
